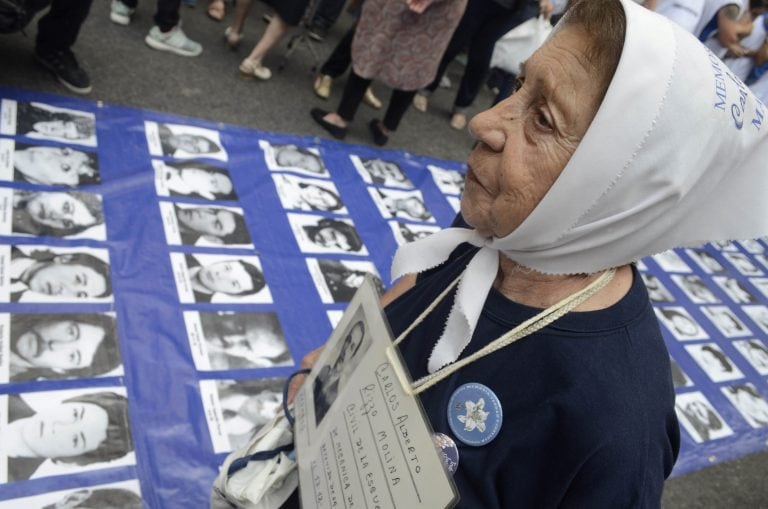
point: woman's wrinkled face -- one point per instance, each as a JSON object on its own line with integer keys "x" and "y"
{"x": 525, "y": 141}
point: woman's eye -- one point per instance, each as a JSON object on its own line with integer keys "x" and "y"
{"x": 518, "y": 84}
{"x": 542, "y": 121}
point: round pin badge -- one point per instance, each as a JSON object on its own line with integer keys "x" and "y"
{"x": 474, "y": 414}
{"x": 447, "y": 450}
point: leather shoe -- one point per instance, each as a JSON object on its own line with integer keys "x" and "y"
{"x": 371, "y": 100}
{"x": 380, "y": 138}
{"x": 337, "y": 132}
{"x": 322, "y": 86}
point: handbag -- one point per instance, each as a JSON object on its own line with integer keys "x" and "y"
{"x": 517, "y": 45}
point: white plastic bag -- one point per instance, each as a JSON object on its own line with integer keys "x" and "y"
{"x": 517, "y": 45}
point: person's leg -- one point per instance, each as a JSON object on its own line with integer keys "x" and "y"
{"x": 167, "y": 34}
{"x": 351, "y": 98}
{"x": 252, "y": 65}
{"x": 398, "y": 105}
{"x": 167, "y": 15}
{"x": 234, "y": 32}
{"x": 326, "y": 14}
{"x": 339, "y": 60}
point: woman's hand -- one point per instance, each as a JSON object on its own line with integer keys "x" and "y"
{"x": 306, "y": 363}
{"x": 418, "y": 6}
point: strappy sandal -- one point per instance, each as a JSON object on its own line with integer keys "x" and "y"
{"x": 233, "y": 38}
{"x": 216, "y": 10}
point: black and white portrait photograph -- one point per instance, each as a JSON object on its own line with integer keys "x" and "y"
{"x": 409, "y": 232}
{"x": 679, "y": 377}
{"x": 736, "y": 290}
{"x": 759, "y": 315}
{"x": 291, "y": 157}
{"x": 300, "y": 193}
{"x": 193, "y": 179}
{"x": 204, "y": 225}
{"x": 670, "y": 261}
{"x": 54, "y": 274}
{"x": 657, "y": 292}
{"x": 762, "y": 259}
{"x": 761, "y": 283}
{"x": 222, "y": 340}
{"x": 47, "y": 165}
{"x": 46, "y": 122}
{"x": 724, "y": 245}
{"x": 752, "y": 246}
{"x": 218, "y": 278}
{"x": 338, "y": 280}
{"x": 680, "y": 323}
{"x": 695, "y": 289}
{"x": 743, "y": 264}
{"x": 381, "y": 173}
{"x": 58, "y": 346}
{"x": 750, "y": 403}
{"x": 448, "y": 181}
{"x": 318, "y": 234}
{"x": 699, "y": 417}
{"x": 726, "y": 321}
{"x": 398, "y": 204}
{"x": 705, "y": 260}
{"x": 237, "y": 409}
{"x": 755, "y": 352}
{"x": 119, "y": 495}
{"x": 343, "y": 360}
{"x": 184, "y": 141}
{"x": 713, "y": 361}
{"x": 64, "y": 432}
{"x": 62, "y": 214}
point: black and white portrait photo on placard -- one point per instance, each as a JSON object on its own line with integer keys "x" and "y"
{"x": 657, "y": 292}
{"x": 184, "y": 141}
{"x": 761, "y": 283}
{"x": 743, "y": 264}
{"x": 193, "y": 179}
{"x": 759, "y": 315}
{"x": 54, "y": 274}
{"x": 401, "y": 204}
{"x": 409, "y": 232}
{"x": 735, "y": 289}
{"x": 58, "y": 346}
{"x": 670, "y": 261}
{"x": 119, "y": 495}
{"x": 301, "y": 193}
{"x": 726, "y": 321}
{"x": 204, "y": 225}
{"x": 47, "y": 165}
{"x": 291, "y": 157}
{"x": 680, "y": 323}
{"x": 338, "y": 280}
{"x": 223, "y": 340}
{"x": 705, "y": 260}
{"x": 713, "y": 361}
{"x": 699, "y": 417}
{"x": 749, "y": 402}
{"x": 447, "y": 181}
{"x": 343, "y": 360}
{"x": 63, "y": 432}
{"x": 46, "y": 122}
{"x": 762, "y": 259}
{"x": 62, "y": 214}
{"x": 724, "y": 245}
{"x": 237, "y": 409}
{"x": 381, "y": 173}
{"x": 219, "y": 278}
{"x": 695, "y": 289}
{"x": 755, "y": 352}
{"x": 752, "y": 246}
{"x": 679, "y": 378}
{"x": 318, "y": 234}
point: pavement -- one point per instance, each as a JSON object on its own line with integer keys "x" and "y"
{"x": 126, "y": 72}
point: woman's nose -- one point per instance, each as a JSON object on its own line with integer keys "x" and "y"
{"x": 485, "y": 127}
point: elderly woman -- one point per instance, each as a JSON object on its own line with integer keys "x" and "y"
{"x": 624, "y": 139}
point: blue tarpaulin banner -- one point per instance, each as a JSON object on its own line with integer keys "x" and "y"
{"x": 160, "y": 277}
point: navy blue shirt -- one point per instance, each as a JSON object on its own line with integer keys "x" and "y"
{"x": 588, "y": 402}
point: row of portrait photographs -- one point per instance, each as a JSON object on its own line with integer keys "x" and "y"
{"x": 122, "y": 495}
{"x": 702, "y": 421}
{"x": 64, "y": 432}
{"x": 184, "y": 141}
{"x": 301, "y": 193}
{"x": 47, "y": 122}
{"x": 699, "y": 292}
{"x": 397, "y": 204}
{"x": 291, "y": 157}
{"x": 324, "y": 235}
{"x": 671, "y": 261}
{"x": 227, "y": 340}
{"x": 47, "y": 165}
{"x": 58, "y": 346}
{"x": 219, "y": 278}
{"x": 447, "y": 181}
{"x": 683, "y": 327}
{"x": 54, "y": 274}
{"x": 338, "y": 280}
{"x": 61, "y": 214}
{"x": 204, "y": 225}
{"x": 236, "y": 410}
{"x": 193, "y": 179}
{"x": 379, "y": 172}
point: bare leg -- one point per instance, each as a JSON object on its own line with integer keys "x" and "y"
{"x": 275, "y": 31}
{"x": 242, "y": 9}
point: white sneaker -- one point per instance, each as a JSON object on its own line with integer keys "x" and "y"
{"x": 175, "y": 41}
{"x": 120, "y": 13}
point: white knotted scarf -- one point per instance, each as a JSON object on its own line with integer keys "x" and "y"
{"x": 675, "y": 156}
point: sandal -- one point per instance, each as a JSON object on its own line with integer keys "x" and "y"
{"x": 252, "y": 69}
{"x": 233, "y": 38}
{"x": 216, "y": 10}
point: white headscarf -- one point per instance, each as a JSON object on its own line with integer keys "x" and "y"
{"x": 675, "y": 156}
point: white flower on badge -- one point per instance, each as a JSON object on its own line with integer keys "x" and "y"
{"x": 475, "y": 418}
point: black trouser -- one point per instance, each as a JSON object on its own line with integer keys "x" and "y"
{"x": 167, "y": 14}
{"x": 341, "y": 57}
{"x": 483, "y": 23}
{"x": 327, "y": 12}
{"x": 59, "y": 27}
{"x": 354, "y": 92}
